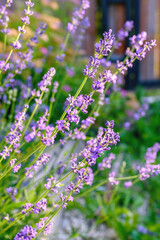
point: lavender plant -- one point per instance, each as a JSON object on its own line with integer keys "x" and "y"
{"x": 29, "y": 133}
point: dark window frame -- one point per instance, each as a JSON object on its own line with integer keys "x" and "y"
{"x": 130, "y": 5}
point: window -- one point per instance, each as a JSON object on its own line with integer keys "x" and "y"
{"x": 146, "y": 17}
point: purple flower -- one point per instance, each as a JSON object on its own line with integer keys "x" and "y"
{"x": 72, "y": 116}
{"x": 128, "y": 184}
{"x": 60, "y": 58}
{"x": 127, "y": 125}
{"x": 91, "y": 68}
{"x": 26, "y": 207}
{"x": 29, "y": 4}
{"x": 16, "y": 45}
{"x": 16, "y": 168}
{"x": 43, "y": 159}
{"x": 106, "y": 163}
{"x": 150, "y": 169}
{"x": 71, "y": 28}
{"x": 104, "y": 46}
{"x": 86, "y": 176}
{"x": 66, "y": 88}
{"x": 55, "y": 87}
{"x": 85, "y": 4}
{"x": 129, "y": 25}
{"x": 96, "y": 146}
{"x": 87, "y": 122}
{"x": 70, "y": 71}
{"x": 40, "y": 206}
{"x": 28, "y": 12}
{"x": 46, "y": 81}
{"x": 25, "y": 20}
{"x": 142, "y": 229}
{"x": 12, "y": 162}
{"x": 21, "y": 30}
{"x": 62, "y": 125}
{"x": 2, "y": 63}
{"x": 111, "y": 178}
{"x": 78, "y": 134}
{"x": 6, "y": 152}
{"x": 11, "y": 192}
{"x": 27, "y": 233}
{"x": 51, "y": 184}
{"x": 47, "y": 229}
{"x": 41, "y": 223}
{"x": 77, "y": 17}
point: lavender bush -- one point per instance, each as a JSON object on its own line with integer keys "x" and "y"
{"x": 30, "y": 129}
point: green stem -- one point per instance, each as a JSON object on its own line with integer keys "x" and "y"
{"x": 76, "y": 95}
{"x": 19, "y": 35}
{"x": 61, "y": 204}
{"x": 31, "y": 117}
{"x": 102, "y": 183}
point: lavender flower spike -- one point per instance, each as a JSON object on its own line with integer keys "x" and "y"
{"x": 47, "y": 80}
{"x": 26, "y": 233}
{"x": 102, "y": 49}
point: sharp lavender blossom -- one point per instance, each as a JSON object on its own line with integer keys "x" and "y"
{"x": 95, "y": 147}
{"x": 102, "y": 49}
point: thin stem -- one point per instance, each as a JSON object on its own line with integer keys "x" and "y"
{"x": 31, "y": 117}
{"x": 62, "y": 204}
{"x": 75, "y": 96}
{"x": 102, "y": 183}
{"x": 19, "y": 35}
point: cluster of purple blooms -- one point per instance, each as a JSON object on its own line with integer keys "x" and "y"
{"x": 41, "y": 129}
{"x": 150, "y": 168}
{"x": 79, "y": 34}
{"x": 135, "y": 116}
{"x": 76, "y": 27}
{"x": 29, "y": 233}
{"x": 123, "y": 33}
{"x": 24, "y": 58}
{"x": 111, "y": 178}
{"x": 101, "y": 49}
{"x": 106, "y": 162}
{"x": 46, "y": 81}
{"x": 78, "y": 16}
{"x": 39, "y": 207}
{"x": 41, "y": 224}
{"x": 73, "y": 104}
{"x": 54, "y": 90}
{"x": 85, "y": 176}
{"x": 40, "y": 162}
{"x": 14, "y": 136}
{"x": 106, "y": 77}
{"x": 26, "y": 233}
{"x": 26, "y": 21}
{"x": 139, "y": 48}
{"x": 4, "y": 19}
{"x": 22, "y": 61}
{"x": 106, "y": 137}
{"x": 52, "y": 184}
{"x": 11, "y": 192}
